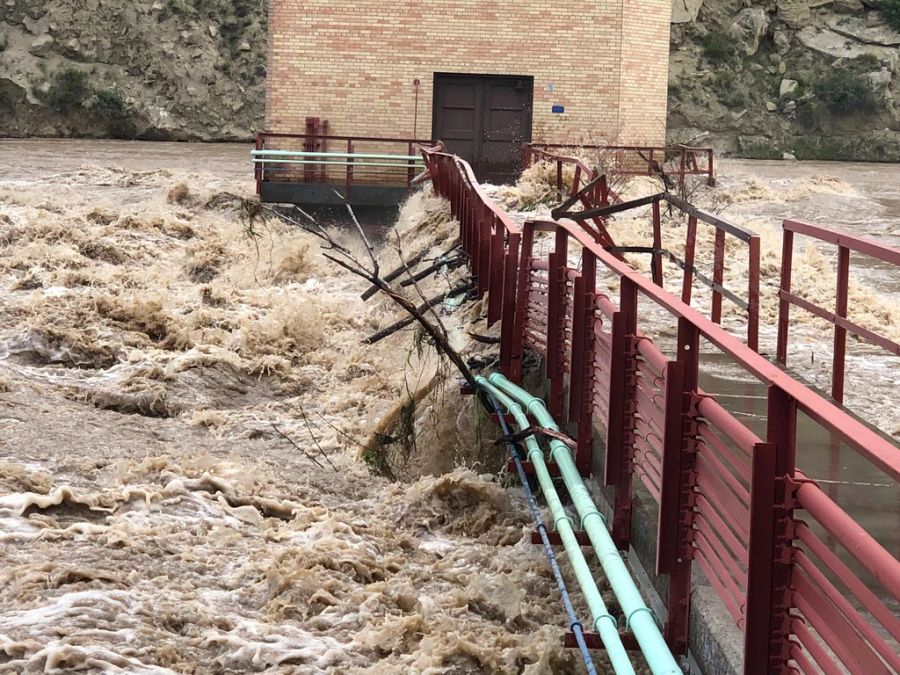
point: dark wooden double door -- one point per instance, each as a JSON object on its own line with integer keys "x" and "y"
{"x": 484, "y": 119}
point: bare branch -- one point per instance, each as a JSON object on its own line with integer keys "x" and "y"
{"x": 316, "y": 440}
{"x": 291, "y": 441}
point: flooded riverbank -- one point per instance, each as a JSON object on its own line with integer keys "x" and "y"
{"x": 158, "y": 362}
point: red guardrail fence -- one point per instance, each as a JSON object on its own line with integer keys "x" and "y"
{"x": 340, "y": 160}
{"x": 731, "y": 501}
{"x": 842, "y": 325}
{"x": 636, "y": 160}
{"x": 657, "y": 252}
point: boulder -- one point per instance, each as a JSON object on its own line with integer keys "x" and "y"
{"x": 782, "y": 42}
{"x": 771, "y": 107}
{"x": 838, "y": 46}
{"x": 787, "y": 88}
{"x": 847, "y": 6}
{"x": 42, "y": 45}
{"x": 795, "y": 13}
{"x": 881, "y": 85}
{"x": 748, "y": 28}
{"x": 788, "y": 157}
{"x": 877, "y": 33}
{"x": 684, "y": 11}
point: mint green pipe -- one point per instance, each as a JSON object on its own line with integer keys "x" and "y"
{"x": 604, "y": 623}
{"x": 639, "y": 618}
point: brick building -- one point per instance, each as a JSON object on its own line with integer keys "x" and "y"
{"x": 481, "y": 75}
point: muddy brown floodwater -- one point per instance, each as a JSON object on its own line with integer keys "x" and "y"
{"x": 157, "y": 353}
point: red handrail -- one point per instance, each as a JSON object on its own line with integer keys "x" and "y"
{"x": 842, "y": 325}
{"x": 727, "y": 498}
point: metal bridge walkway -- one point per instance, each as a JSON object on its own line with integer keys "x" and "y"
{"x": 808, "y": 587}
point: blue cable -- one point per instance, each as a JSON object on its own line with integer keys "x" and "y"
{"x": 575, "y": 626}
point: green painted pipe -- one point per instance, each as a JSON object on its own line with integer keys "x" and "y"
{"x": 639, "y": 618}
{"x": 604, "y": 622}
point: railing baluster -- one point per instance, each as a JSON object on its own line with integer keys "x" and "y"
{"x": 687, "y": 285}
{"x": 618, "y": 469}
{"x": 718, "y": 275}
{"x": 657, "y": 267}
{"x": 510, "y": 360}
{"x": 840, "y": 333}
{"x": 679, "y": 478}
{"x": 784, "y": 305}
{"x": 766, "y": 645}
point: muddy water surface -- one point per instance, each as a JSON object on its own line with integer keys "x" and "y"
{"x": 152, "y": 518}
{"x": 182, "y": 400}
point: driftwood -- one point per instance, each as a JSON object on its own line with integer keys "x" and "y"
{"x": 424, "y": 307}
{"x": 449, "y": 263}
{"x": 405, "y": 266}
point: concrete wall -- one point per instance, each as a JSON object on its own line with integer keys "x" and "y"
{"x": 354, "y": 63}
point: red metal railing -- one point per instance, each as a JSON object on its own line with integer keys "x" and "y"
{"x": 842, "y": 325}
{"x": 590, "y": 188}
{"x": 488, "y": 235}
{"x": 731, "y": 501}
{"x": 341, "y": 171}
{"x": 636, "y": 160}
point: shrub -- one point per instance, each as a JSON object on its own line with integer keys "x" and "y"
{"x": 891, "y": 11}
{"x": 718, "y": 46}
{"x": 844, "y": 92}
{"x": 110, "y": 107}
{"x": 109, "y": 103}
{"x": 69, "y": 89}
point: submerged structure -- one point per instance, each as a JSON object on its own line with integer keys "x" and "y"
{"x": 355, "y": 84}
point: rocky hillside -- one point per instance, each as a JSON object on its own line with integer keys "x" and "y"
{"x": 177, "y": 69}
{"x": 816, "y": 79}
{"x": 811, "y": 78}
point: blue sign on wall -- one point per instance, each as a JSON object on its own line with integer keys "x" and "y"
{"x": 559, "y": 109}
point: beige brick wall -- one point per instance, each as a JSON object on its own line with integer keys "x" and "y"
{"x": 354, "y": 63}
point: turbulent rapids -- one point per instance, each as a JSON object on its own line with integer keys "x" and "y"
{"x": 195, "y": 445}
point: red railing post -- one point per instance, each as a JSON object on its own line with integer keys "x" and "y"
{"x": 556, "y": 324}
{"x": 690, "y": 248}
{"x": 410, "y": 171}
{"x": 523, "y": 287}
{"x": 657, "y": 267}
{"x": 497, "y": 270}
{"x": 711, "y": 180}
{"x": 618, "y": 469}
{"x": 784, "y": 305}
{"x": 585, "y": 366}
{"x": 766, "y": 644}
{"x": 577, "y": 370}
{"x": 753, "y": 294}
{"x": 349, "y": 174}
{"x": 603, "y": 186}
{"x": 259, "y": 167}
{"x": 718, "y": 275}
{"x": 510, "y": 361}
{"x": 840, "y": 333}
{"x": 559, "y": 178}
{"x": 481, "y": 219}
{"x": 676, "y": 494}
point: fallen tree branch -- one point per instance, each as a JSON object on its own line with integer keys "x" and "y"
{"x": 408, "y": 265}
{"x": 484, "y": 339}
{"x": 291, "y": 441}
{"x": 425, "y": 306}
{"x": 449, "y": 263}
